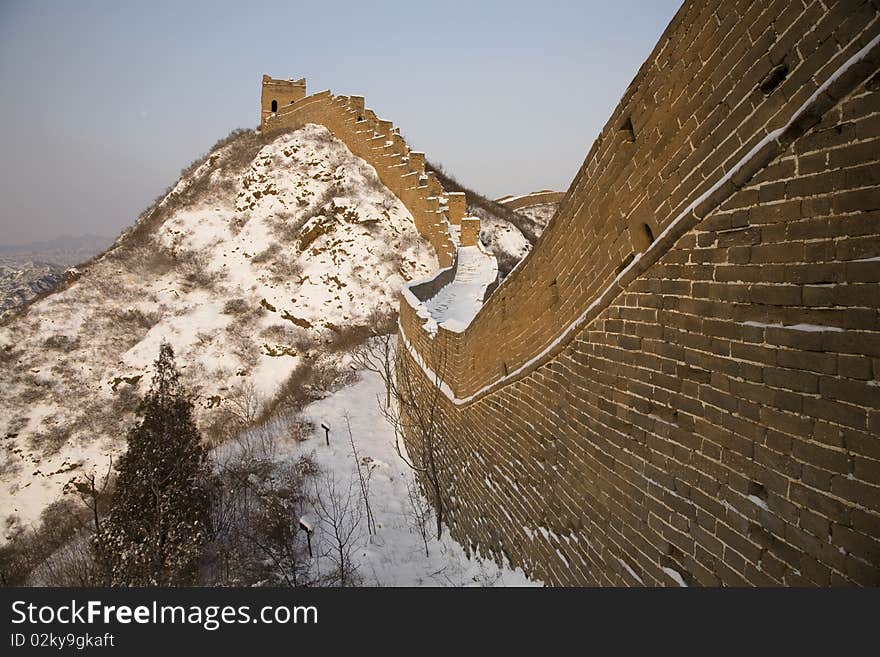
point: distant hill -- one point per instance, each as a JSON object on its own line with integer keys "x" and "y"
{"x": 63, "y": 251}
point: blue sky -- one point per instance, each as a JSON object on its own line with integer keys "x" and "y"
{"x": 104, "y": 102}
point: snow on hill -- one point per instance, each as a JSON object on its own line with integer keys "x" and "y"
{"x": 258, "y": 257}
{"x": 22, "y": 281}
{"x": 539, "y": 214}
{"x": 396, "y": 554}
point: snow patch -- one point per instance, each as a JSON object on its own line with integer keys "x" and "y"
{"x": 631, "y": 571}
{"x": 810, "y": 328}
{"x": 674, "y": 574}
{"x": 757, "y": 501}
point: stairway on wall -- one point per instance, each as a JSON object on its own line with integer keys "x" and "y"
{"x": 457, "y": 303}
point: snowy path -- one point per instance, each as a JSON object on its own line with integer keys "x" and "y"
{"x": 455, "y": 306}
{"x": 396, "y": 555}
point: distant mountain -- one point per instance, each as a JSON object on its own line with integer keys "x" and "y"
{"x": 63, "y": 251}
{"x": 24, "y": 281}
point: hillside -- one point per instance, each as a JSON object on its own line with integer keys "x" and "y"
{"x": 255, "y": 266}
{"x": 30, "y": 270}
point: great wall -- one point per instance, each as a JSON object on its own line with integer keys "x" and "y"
{"x": 680, "y": 384}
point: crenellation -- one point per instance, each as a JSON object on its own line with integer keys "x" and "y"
{"x": 380, "y": 143}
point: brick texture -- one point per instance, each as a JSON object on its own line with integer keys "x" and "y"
{"x": 716, "y": 416}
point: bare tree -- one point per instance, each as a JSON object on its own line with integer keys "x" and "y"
{"x": 364, "y": 472}
{"x": 93, "y": 494}
{"x": 339, "y": 515}
{"x": 245, "y": 403}
{"x": 414, "y": 411}
{"x": 256, "y": 502}
{"x": 72, "y": 564}
{"x": 238, "y": 411}
{"x": 376, "y": 353}
{"x": 420, "y": 511}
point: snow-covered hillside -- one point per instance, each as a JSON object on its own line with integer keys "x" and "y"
{"x": 22, "y": 281}
{"x": 254, "y": 262}
{"x": 540, "y": 215}
{"x": 396, "y": 554}
{"x": 510, "y": 234}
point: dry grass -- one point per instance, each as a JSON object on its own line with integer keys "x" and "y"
{"x": 239, "y": 148}
{"x": 311, "y": 381}
{"x": 9, "y": 354}
{"x": 236, "y": 306}
{"x": 193, "y": 267}
{"x": 286, "y": 226}
{"x": 9, "y": 464}
{"x": 269, "y": 253}
{"x": 48, "y": 442}
{"x": 59, "y": 342}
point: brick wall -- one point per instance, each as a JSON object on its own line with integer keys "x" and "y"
{"x": 698, "y": 106}
{"x": 379, "y": 143}
{"x": 528, "y": 200}
{"x": 714, "y": 416}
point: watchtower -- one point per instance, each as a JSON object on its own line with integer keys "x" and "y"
{"x": 278, "y": 93}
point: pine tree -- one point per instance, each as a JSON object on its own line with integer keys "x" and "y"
{"x": 158, "y": 520}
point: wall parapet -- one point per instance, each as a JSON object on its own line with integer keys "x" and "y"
{"x": 528, "y": 200}
{"x": 379, "y": 142}
{"x": 663, "y": 160}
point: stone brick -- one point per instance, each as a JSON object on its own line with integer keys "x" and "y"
{"x": 736, "y": 357}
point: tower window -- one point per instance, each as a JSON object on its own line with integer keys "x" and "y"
{"x": 274, "y": 105}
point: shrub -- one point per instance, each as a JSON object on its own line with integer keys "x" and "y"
{"x": 256, "y": 502}
{"x": 28, "y": 548}
{"x": 236, "y": 306}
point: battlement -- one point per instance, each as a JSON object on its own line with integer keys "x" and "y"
{"x": 379, "y": 142}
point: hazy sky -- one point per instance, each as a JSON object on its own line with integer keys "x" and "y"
{"x": 104, "y": 102}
